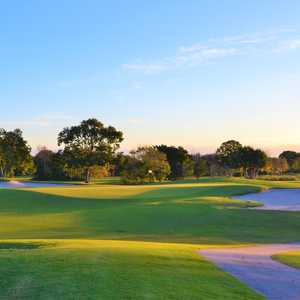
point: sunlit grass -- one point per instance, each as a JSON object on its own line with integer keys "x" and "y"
{"x": 110, "y": 241}
{"x": 198, "y": 212}
{"x": 291, "y": 258}
{"x": 83, "y": 269}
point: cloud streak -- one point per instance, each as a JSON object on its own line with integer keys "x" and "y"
{"x": 194, "y": 56}
{"x": 217, "y": 49}
{"x": 290, "y": 45}
{"x": 185, "y": 56}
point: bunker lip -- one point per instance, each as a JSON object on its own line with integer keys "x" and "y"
{"x": 274, "y": 199}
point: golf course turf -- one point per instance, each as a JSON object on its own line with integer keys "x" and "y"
{"x": 291, "y": 258}
{"x": 109, "y": 241}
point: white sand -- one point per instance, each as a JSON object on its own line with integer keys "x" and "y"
{"x": 275, "y": 199}
{"x": 255, "y": 267}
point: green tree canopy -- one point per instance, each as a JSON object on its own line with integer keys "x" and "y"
{"x": 252, "y": 160}
{"x": 89, "y": 144}
{"x": 200, "y": 165}
{"x": 44, "y": 162}
{"x": 146, "y": 164}
{"x": 179, "y": 160}
{"x": 290, "y": 156}
{"x": 229, "y": 154}
{"x": 14, "y": 153}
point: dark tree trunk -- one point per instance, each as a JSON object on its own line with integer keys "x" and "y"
{"x": 87, "y": 175}
{"x": 252, "y": 173}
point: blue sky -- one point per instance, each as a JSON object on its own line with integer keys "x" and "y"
{"x": 192, "y": 73}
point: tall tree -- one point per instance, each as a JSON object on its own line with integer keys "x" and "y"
{"x": 200, "y": 165}
{"x": 44, "y": 164}
{"x": 14, "y": 153}
{"x": 178, "y": 159}
{"x": 229, "y": 154}
{"x": 213, "y": 165}
{"x": 119, "y": 162}
{"x": 252, "y": 160}
{"x": 88, "y": 144}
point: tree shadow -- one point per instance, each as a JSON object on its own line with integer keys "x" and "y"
{"x": 197, "y": 214}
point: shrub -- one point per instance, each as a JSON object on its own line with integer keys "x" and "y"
{"x": 279, "y": 178}
{"x": 146, "y": 164}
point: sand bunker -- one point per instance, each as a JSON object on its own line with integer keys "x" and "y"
{"x": 255, "y": 267}
{"x": 275, "y": 199}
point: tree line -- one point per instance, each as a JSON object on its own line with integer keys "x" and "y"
{"x": 90, "y": 150}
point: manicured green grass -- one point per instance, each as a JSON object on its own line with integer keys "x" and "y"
{"x": 291, "y": 258}
{"x": 109, "y": 241}
{"x": 81, "y": 269}
{"x": 187, "y": 212}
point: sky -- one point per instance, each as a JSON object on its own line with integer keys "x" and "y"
{"x": 193, "y": 73}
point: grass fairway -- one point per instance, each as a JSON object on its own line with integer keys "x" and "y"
{"x": 291, "y": 258}
{"x": 110, "y": 241}
{"x": 81, "y": 269}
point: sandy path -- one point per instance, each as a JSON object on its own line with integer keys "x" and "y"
{"x": 275, "y": 199}
{"x": 254, "y": 267}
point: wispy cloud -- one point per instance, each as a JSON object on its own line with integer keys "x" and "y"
{"x": 194, "y": 55}
{"x": 185, "y": 56}
{"x": 289, "y": 45}
{"x": 257, "y": 38}
{"x": 293, "y": 45}
{"x": 219, "y": 48}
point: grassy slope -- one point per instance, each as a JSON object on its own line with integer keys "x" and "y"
{"x": 81, "y": 269}
{"x": 291, "y": 258}
{"x": 190, "y": 215}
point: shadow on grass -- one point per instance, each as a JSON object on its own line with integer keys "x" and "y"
{"x": 36, "y": 201}
{"x": 196, "y": 214}
{"x": 21, "y": 246}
